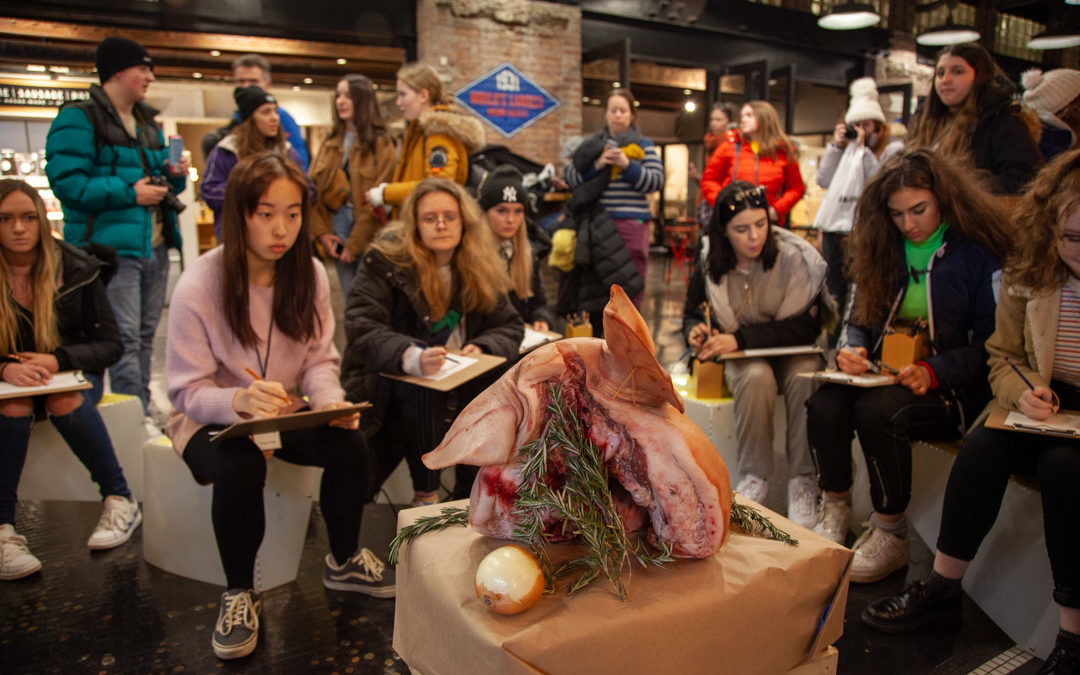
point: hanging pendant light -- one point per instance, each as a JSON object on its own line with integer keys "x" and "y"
{"x": 849, "y": 16}
{"x": 1056, "y": 38}
{"x": 949, "y": 33}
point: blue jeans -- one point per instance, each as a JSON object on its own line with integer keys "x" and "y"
{"x": 137, "y": 296}
{"x": 86, "y": 435}
{"x": 343, "y": 221}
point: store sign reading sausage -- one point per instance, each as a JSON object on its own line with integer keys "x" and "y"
{"x": 39, "y": 96}
{"x": 507, "y": 99}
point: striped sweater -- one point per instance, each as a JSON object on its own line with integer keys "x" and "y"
{"x": 625, "y": 196}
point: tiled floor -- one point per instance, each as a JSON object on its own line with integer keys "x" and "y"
{"x": 110, "y": 612}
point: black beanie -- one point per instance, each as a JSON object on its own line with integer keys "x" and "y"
{"x": 248, "y": 100}
{"x": 502, "y": 185}
{"x": 116, "y": 53}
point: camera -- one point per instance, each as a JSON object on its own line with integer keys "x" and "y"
{"x": 850, "y": 133}
{"x": 169, "y": 202}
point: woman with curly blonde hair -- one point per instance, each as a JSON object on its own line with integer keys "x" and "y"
{"x": 429, "y": 285}
{"x": 1036, "y": 338}
{"x": 924, "y": 256}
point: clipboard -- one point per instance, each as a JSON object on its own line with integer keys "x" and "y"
{"x": 771, "y": 351}
{"x": 291, "y": 422}
{"x": 484, "y": 363}
{"x": 68, "y": 380}
{"x": 535, "y": 338}
{"x": 867, "y": 381}
{"x": 998, "y": 416}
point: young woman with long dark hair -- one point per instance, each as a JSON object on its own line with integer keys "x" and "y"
{"x": 261, "y": 304}
{"x": 357, "y": 155}
{"x": 924, "y": 256}
{"x": 54, "y": 316}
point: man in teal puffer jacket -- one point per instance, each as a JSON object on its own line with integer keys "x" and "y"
{"x": 103, "y": 153}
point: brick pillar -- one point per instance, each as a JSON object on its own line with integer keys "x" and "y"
{"x": 463, "y": 39}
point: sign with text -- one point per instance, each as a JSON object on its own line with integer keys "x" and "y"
{"x": 25, "y": 95}
{"x": 507, "y": 99}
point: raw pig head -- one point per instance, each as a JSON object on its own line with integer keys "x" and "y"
{"x": 669, "y": 476}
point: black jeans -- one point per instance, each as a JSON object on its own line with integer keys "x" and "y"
{"x": 237, "y": 469}
{"x": 887, "y": 420}
{"x": 833, "y": 246}
{"x": 977, "y": 485}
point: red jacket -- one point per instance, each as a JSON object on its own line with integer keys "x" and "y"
{"x": 782, "y": 180}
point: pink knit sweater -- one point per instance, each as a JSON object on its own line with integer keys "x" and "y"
{"x": 204, "y": 362}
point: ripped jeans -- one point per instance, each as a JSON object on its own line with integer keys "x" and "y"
{"x": 887, "y": 420}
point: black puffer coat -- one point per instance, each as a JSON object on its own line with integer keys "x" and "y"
{"x": 1002, "y": 142}
{"x": 386, "y": 313}
{"x": 89, "y": 338}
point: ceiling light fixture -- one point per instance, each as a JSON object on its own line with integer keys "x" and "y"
{"x": 849, "y": 16}
{"x": 214, "y": 52}
{"x": 341, "y": 62}
{"x": 308, "y": 80}
{"x": 689, "y": 106}
{"x": 197, "y": 75}
{"x": 1055, "y": 38}
{"x": 949, "y": 33}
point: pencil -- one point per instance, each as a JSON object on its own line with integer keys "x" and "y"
{"x": 1017, "y": 371}
{"x": 256, "y": 376}
{"x": 15, "y": 357}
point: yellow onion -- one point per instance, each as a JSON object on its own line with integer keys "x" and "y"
{"x": 508, "y": 580}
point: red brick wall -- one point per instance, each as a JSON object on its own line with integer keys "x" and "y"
{"x": 463, "y": 39}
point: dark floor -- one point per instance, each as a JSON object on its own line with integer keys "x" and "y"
{"x": 110, "y": 612}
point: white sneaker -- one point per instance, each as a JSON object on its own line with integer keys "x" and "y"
{"x": 16, "y": 560}
{"x": 753, "y": 488}
{"x": 153, "y": 430}
{"x": 834, "y": 520}
{"x": 877, "y": 555}
{"x": 802, "y": 499}
{"x": 118, "y": 521}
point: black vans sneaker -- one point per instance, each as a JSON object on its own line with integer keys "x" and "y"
{"x": 237, "y": 629}
{"x": 362, "y": 573}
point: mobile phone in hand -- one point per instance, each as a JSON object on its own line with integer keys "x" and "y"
{"x": 337, "y": 248}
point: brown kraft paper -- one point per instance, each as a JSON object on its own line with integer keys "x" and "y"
{"x": 753, "y": 607}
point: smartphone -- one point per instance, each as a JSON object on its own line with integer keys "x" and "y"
{"x": 337, "y": 248}
{"x": 176, "y": 150}
{"x": 612, "y": 143}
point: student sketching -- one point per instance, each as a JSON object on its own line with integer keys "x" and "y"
{"x": 925, "y": 251}
{"x": 54, "y": 315}
{"x": 764, "y": 287}
{"x": 1034, "y": 368}
{"x": 261, "y": 303}
{"x": 433, "y": 282}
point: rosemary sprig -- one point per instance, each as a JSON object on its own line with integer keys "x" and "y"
{"x": 750, "y": 520}
{"x": 451, "y": 515}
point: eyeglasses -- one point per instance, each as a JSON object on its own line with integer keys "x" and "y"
{"x": 432, "y": 219}
{"x": 754, "y": 197}
{"x": 1070, "y": 241}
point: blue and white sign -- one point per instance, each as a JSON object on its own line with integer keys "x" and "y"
{"x": 507, "y": 99}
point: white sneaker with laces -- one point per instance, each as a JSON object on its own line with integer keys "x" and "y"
{"x": 119, "y": 518}
{"x": 753, "y": 488}
{"x": 16, "y": 560}
{"x": 834, "y": 520}
{"x": 878, "y": 554}
{"x": 802, "y": 500}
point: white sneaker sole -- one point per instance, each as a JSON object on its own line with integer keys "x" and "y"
{"x": 373, "y": 591}
{"x": 871, "y": 576}
{"x": 12, "y": 576}
{"x": 117, "y": 542}
{"x": 235, "y": 651}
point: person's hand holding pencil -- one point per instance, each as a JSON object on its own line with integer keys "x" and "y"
{"x": 262, "y": 398}
{"x": 1039, "y": 403}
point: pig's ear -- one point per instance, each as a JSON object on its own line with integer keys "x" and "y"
{"x": 630, "y": 343}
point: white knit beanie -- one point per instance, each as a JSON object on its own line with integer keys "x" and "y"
{"x": 1050, "y": 91}
{"x": 864, "y": 102}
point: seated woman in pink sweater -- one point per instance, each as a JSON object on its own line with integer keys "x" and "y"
{"x": 261, "y": 304}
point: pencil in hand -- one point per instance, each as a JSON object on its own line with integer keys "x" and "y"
{"x": 256, "y": 376}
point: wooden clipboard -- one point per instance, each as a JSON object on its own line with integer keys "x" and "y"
{"x": 68, "y": 380}
{"x": 998, "y": 414}
{"x": 291, "y": 422}
{"x": 767, "y": 352}
{"x": 484, "y": 363}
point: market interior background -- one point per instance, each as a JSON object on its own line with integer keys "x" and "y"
{"x": 113, "y": 613}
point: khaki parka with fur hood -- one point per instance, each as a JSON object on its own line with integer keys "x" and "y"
{"x": 437, "y": 144}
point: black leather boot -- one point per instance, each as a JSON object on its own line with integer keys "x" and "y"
{"x": 1065, "y": 659}
{"x": 936, "y": 600}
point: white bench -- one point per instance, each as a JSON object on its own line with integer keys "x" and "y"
{"x": 53, "y": 472}
{"x": 1010, "y": 578}
{"x": 178, "y": 535}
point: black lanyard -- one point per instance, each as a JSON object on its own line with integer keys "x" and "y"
{"x": 263, "y": 363}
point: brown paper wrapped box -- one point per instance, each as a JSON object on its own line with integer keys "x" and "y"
{"x": 754, "y": 607}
